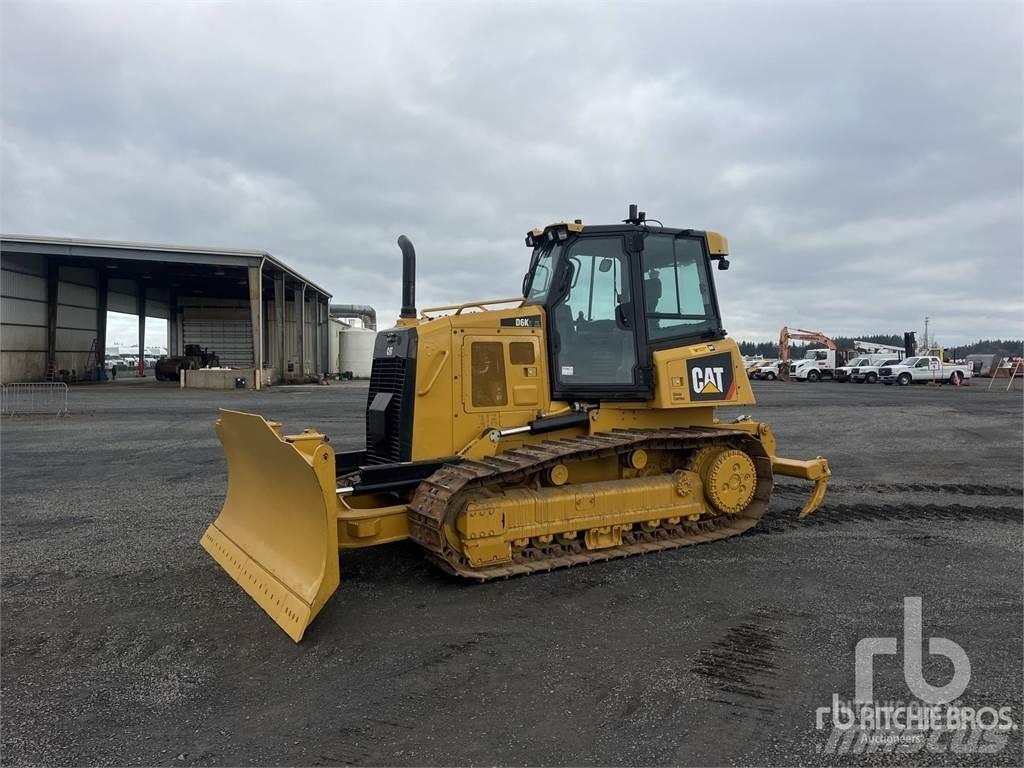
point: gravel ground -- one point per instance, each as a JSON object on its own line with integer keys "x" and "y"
{"x": 124, "y": 643}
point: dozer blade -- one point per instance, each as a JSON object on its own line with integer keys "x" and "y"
{"x": 816, "y": 470}
{"x": 277, "y": 535}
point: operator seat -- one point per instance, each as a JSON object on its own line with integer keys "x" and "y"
{"x": 652, "y": 295}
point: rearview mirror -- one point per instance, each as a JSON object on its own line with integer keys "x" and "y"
{"x": 605, "y": 265}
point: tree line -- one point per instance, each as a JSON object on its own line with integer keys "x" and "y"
{"x": 1004, "y": 347}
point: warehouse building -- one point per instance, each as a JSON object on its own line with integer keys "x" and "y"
{"x": 249, "y": 307}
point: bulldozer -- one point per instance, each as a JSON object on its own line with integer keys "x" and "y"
{"x": 572, "y": 424}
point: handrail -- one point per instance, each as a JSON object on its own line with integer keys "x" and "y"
{"x": 469, "y": 304}
{"x": 437, "y": 372}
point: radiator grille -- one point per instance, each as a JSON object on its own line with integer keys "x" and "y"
{"x": 388, "y": 375}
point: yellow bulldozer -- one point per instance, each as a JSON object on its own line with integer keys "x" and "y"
{"x": 572, "y": 424}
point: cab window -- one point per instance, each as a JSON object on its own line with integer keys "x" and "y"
{"x": 592, "y": 320}
{"x": 677, "y": 294}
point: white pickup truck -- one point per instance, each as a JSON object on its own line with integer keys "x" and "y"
{"x": 872, "y": 361}
{"x": 924, "y": 369}
{"x": 868, "y": 372}
{"x": 768, "y": 371}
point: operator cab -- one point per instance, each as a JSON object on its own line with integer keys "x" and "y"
{"x": 614, "y": 295}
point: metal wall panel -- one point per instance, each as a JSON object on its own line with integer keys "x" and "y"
{"x": 122, "y": 302}
{"x": 123, "y": 297}
{"x": 222, "y": 329}
{"x": 291, "y": 333}
{"x": 23, "y": 318}
{"x": 22, "y": 312}
{"x": 25, "y": 343}
{"x": 69, "y": 340}
{"x": 157, "y": 309}
{"x": 79, "y": 276}
{"x": 21, "y": 338}
{"x": 21, "y": 285}
{"x": 72, "y": 293}
{"x": 120, "y": 285}
{"x": 21, "y": 366}
{"x": 77, "y": 300}
{"x": 75, "y": 317}
{"x": 25, "y": 262}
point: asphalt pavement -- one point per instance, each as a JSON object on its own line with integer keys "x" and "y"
{"x": 124, "y": 643}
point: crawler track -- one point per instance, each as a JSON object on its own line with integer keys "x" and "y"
{"x": 439, "y": 499}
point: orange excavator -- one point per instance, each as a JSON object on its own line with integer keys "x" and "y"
{"x": 786, "y": 335}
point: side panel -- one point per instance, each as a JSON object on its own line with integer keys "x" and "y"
{"x": 459, "y": 395}
{"x": 523, "y": 393}
{"x": 436, "y": 371}
{"x": 701, "y": 375}
{"x": 501, "y": 373}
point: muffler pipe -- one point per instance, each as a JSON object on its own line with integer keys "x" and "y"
{"x": 408, "y": 277}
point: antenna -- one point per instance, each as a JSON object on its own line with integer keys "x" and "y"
{"x": 636, "y": 216}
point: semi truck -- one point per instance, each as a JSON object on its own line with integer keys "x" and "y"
{"x": 816, "y": 364}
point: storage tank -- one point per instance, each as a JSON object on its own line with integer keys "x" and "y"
{"x": 354, "y": 350}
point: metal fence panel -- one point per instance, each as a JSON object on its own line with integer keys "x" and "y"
{"x": 49, "y": 397}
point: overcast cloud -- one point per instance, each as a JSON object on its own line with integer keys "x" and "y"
{"x": 865, "y": 160}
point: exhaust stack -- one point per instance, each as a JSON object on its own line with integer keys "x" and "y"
{"x": 408, "y": 277}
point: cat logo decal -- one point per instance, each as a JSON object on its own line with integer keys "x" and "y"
{"x": 711, "y": 377}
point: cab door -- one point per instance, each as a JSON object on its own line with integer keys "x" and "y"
{"x": 592, "y": 323}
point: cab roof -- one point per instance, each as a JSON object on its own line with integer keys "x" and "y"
{"x": 718, "y": 244}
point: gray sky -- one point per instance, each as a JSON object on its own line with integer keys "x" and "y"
{"x": 865, "y": 160}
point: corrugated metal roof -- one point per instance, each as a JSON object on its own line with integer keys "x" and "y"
{"x": 164, "y": 249}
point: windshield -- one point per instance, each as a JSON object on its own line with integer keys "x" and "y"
{"x": 857, "y": 361}
{"x": 815, "y": 354}
{"x": 910, "y": 361}
{"x": 538, "y": 279}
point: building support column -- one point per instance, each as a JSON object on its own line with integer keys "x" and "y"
{"x": 256, "y": 320}
{"x": 52, "y": 283}
{"x": 325, "y": 336}
{"x": 314, "y": 306}
{"x": 101, "y": 324}
{"x": 172, "y": 324}
{"x": 282, "y": 362}
{"x": 300, "y": 322}
{"x": 140, "y": 308}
